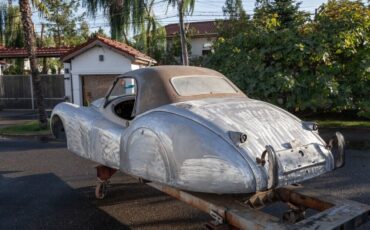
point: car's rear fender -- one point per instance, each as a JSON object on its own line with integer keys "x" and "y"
{"x": 168, "y": 148}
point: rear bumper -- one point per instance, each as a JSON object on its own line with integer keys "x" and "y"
{"x": 287, "y": 167}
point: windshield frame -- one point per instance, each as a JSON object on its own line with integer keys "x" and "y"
{"x": 106, "y": 98}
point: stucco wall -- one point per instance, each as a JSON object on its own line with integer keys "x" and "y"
{"x": 88, "y": 63}
{"x": 197, "y": 45}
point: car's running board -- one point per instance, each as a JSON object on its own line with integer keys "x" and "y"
{"x": 244, "y": 212}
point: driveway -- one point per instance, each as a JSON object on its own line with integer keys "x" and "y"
{"x": 44, "y": 186}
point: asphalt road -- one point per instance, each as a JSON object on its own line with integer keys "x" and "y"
{"x": 43, "y": 186}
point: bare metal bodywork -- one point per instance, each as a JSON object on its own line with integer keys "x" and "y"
{"x": 193, "y": 143}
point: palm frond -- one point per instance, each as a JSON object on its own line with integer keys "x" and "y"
{"x": 40, "y": 7}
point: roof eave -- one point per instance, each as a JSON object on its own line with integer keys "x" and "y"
{"x": 135, "y": 60}
{"x": 144, "y": 61}
{"x": 70, "y": 56}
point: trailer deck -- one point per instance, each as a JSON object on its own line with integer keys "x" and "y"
{"x": 244, "y": 212}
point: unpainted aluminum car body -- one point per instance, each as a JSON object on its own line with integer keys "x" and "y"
{"x": 215, "y": 143}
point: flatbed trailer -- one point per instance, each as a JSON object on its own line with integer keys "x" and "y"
{"x": 244, "y": 212}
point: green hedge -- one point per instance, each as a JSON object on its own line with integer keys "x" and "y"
{"x": 319, "y": 63}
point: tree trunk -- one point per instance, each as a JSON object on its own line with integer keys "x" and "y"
{"x": 30, "y": 42}
{"x": 184, "y": 47}
{"x": 59, "y": 37}
{"x": 148, "y": 40}
{"x": 125, "y": 38}
{"x": 44, "y": 60}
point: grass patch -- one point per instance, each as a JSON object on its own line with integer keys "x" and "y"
{"x": 26, "y": 128}
{"x": 344, "y": 124}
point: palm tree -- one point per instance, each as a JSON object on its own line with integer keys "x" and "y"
{"x": 11, "y": 32}
{"x": 151, "y": 34}
{"x": 182, "y": 7}
{"x": 30, "y": 43}
{"x": 122, "y": 15}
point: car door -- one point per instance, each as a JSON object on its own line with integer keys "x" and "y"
{"x": 115, "y": 116}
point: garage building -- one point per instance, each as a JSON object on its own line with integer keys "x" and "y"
{"x": 90, "y": 68}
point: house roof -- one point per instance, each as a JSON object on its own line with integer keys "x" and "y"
{"x": 3, "y": 63}
{"x": 40, "y": 52}
{"x": 200, "y": 29}
{"x": 122, "y": 48}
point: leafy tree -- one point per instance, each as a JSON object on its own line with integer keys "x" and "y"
{"x": 301, "y": 64}
{"x": 100, "y": 32}
{"x": 152, "y": 37}
{"x": 62, "y": 23}
{"x": 174, "y": 49}
{"x": 342, "y": 36}
{"x": 279, "y": 13}
{"x": 153, "y": 44}
{"x": 11, "y": 33}
{"x": 233, "y": 9}
{"x": 84, "y": 30}
{"x": 237, "y": 20}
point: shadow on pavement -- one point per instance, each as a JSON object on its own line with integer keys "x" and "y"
{"x": 16, "y": 144}
{"x": 48, "y": 203}
{"x": 350, "y": 182}
{"x": 122, "y": 193}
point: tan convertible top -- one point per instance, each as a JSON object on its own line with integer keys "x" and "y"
{"x": 155, "y": 88}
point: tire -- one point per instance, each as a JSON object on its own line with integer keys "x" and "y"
{"x": 58, "y": 129}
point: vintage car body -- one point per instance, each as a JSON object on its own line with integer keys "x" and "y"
{"x": 216, "y": 142}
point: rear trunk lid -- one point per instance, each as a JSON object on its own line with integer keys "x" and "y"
{"x": 264, "y": 124}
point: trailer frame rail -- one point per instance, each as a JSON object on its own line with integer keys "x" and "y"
{"x": 244, "y": 211}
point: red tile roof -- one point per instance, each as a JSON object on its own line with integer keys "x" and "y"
{"x": 3, "y": 62}
{"x": 40, "y": 52}
{"x": 207, "y": 28}
{"x": 120, "y": 47}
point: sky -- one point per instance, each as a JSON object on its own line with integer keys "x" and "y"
{"x": 205, "y": 10}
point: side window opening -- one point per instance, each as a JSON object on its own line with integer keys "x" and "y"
{"x": 124, "y": 90}
{"x": 125, "y": 108}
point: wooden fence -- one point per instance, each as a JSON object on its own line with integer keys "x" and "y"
{"x": 16, "y": 91}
